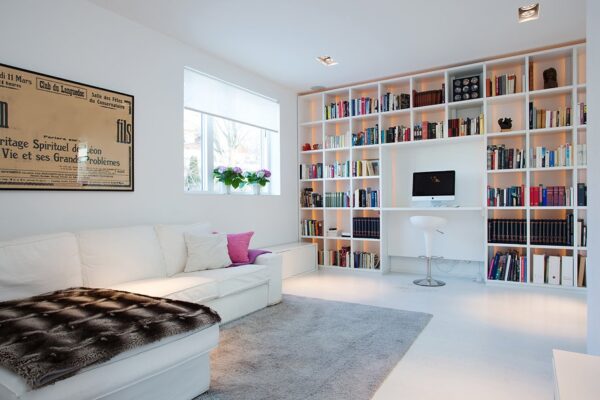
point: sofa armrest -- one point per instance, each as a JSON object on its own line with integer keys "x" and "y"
{"x": 273, "y": 262}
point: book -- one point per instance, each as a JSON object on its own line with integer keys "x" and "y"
{"x": 508, "y": 266}
{"x": 338, "y": 170}
{"x": 311, "y": 171}
{"x": 366, "y": 136}
{"x": 539, "y": 268}
{"x": 542, "y": 157}
{"x": 553, "y": 275}
{"x": 335, "y": 141}
{"x": 581, "y": 275}
{"x": 513, "y": 196}
{"x": 466, "y": 126}
{"x": 500, "y": 85}
{"x": 365, "y": 260}
{"x": 567, "y": 271}
{"x": 581, "y": 194}
{"x": 500, "y": 157}
{"x": 366, "y": 227}
{"x": 544, "y": 118}
{"x": 337, "y": 199}
{"x": 312, "y": 227}
{"x": 428, "y": 97}
{"x": 339, "y": 109}
{"x": 310, "y": 199}
{"x": 393, "y": 102}
{"x": 365, "y": 168}
{"x": 551, "y": 196}
{"x": 530, "y": 76}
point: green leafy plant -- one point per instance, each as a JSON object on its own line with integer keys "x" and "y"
{"x": 260, "y": 177}
{"x": 230, "y": 176}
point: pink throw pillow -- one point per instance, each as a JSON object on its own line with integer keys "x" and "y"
{"x": 237, "y": 245}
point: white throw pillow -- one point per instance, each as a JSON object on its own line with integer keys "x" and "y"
{"x": 206, "y": 252}
{"x": 173, "y": 246}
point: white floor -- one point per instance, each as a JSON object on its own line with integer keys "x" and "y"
{"x": 483, "y": 342}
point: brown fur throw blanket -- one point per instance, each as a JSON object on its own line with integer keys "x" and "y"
{"x": 52, "y": 336}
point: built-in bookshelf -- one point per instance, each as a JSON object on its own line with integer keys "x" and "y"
{"x": 379, "y": 123}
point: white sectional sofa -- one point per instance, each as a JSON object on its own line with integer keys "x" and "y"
{"x": 141, "y": 259}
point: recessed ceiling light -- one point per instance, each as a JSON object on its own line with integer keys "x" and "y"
{"x": 529, "y": 13}
{"x": 326, "y": 61}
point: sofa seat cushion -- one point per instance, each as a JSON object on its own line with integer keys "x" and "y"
{"x": 196, "y": 289}
{"x": 233, "y": 280}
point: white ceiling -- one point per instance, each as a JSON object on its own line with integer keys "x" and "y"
{"x": 279, "y": 39}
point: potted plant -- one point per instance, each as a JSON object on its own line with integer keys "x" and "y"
{"x": 230, "y": 177}
{"x": 258, "y": 179}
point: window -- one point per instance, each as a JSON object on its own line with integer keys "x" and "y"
{"x": 229, "y": 126}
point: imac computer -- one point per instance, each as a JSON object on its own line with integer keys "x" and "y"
{"x": 434, "y": 187}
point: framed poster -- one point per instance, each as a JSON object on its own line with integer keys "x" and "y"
{"x": 57, "y": 134}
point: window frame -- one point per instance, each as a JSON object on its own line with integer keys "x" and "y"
{"x": 207, "y": 152}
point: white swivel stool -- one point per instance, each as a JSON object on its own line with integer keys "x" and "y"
{"x": 429, "y": 225}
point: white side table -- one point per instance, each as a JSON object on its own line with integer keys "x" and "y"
{"x": 576, "y": 376}
{"x": 298, "y": 257}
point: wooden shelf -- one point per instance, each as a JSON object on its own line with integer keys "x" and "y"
{"x": 545, "y": 169}
{"x": 335, "y": 120}
{"x": 441, "y": 141}
{"x": 520, "y": 246}
{"x": 506, "y": 171}
{"x": 397, "y": 112}
{"x": 505, "y": 98}
{"x": 553, "y": 129}
{"x": 552, "y": 92}
{"x": 311, "y": 151}
{"x": 507, "y": 134}
{"x": 550, "y": 247}
{"x": 338, "y": 149}
{"x": 434, "y": 107}
{"x": 311, "y": 123}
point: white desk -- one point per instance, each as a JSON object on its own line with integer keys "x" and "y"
{"x": 576, "y": 376}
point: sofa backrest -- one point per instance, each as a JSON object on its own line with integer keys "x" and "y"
{"x": 113, "y": 256}
{"x": 39, "y": 264}
{"x": 173, "y": 245}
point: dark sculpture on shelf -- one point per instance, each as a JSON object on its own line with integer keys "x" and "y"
{"x": 550, "y": 79}
{"x": 505, "y": 123}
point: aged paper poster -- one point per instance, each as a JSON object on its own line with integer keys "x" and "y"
{"x": 61, "y": 135}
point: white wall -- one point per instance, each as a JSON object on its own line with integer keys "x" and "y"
{"x": 593, "y": 178}
{"x": 79, "y": 41}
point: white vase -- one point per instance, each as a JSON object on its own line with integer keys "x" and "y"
{"x": 256, "y": 189}
{"x": 225, "y": 189}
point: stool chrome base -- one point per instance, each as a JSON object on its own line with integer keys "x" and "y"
{"x": 429, "y": 281}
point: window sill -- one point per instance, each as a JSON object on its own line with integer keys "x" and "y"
{"x": 234, "y": 194}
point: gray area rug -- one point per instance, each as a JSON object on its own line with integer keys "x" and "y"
{"x": 306, "y": 348}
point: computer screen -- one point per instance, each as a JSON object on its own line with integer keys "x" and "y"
{"x": 433, "y": 185}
